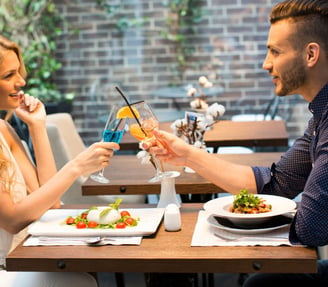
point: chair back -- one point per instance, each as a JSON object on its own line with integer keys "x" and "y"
{"x": 65, "y": 140}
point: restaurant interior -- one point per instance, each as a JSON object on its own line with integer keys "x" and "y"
{"x": 190, "y": 59}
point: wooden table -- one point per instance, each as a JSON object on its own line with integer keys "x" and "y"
{"x": 165, "y": 252}
{"x": 129, "y": 176}
{"x": 232, "y": 133}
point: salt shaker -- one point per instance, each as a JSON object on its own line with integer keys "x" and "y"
{"x": 172, "y": 217}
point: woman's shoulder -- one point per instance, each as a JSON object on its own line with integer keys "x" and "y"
{"x": 7, "y": 131}
{"x": 2, "y": 123}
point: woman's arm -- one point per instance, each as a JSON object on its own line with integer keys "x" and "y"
{"x": 32, "y": 112}
{"x": 14, "y": 216}
{"x": 45, "y": 184}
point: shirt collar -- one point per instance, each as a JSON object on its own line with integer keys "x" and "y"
{"x": 319, "y": 104}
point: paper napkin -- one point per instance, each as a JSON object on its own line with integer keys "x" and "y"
{"x": 48, "y": 241}
{"x": 204, "y": 235}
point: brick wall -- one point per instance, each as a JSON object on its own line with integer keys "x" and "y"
{"x": 229, "y": 43}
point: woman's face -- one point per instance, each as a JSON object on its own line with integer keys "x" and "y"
{"x": 11, "y": 81}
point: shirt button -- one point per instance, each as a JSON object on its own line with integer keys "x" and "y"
{"x": 314, "y": 133}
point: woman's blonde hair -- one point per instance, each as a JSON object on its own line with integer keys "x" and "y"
{"x": 6, "y": 177}
{"x": 6, "y": 45}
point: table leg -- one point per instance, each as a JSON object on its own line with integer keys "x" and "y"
{"x": 119, "y": 277}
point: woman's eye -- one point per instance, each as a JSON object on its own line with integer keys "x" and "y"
{"x": 8, "y": 76}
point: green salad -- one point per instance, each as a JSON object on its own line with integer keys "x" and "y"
{"x": 249, "y": 203}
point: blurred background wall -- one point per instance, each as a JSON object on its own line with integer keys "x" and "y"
{"x": 145, "y": 45}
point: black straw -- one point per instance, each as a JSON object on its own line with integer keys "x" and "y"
{"x": 132, "y": 111}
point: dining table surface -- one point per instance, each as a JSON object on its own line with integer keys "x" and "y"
{"x": 271, "y": 133}
{"x": 129, "y": 176}
{"x": 165, "y": 251}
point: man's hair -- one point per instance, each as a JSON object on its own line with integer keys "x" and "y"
{"x": 311, "y": 18}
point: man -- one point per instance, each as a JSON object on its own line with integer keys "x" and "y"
{"x": 297, "y": 61}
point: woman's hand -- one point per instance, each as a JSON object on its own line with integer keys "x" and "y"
{"x": 31, "y": 109}
{"x": 95, "y": 157}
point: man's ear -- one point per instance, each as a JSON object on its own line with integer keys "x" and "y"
{"x": 312, "y": 53}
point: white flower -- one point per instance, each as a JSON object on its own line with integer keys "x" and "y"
{"x": 178, "y": 125}
{"x": 201, "y": 124}
{"x": 209, "y": 121}
{"x": 198, "y": 104}
{"x": 215, "y": 110}
{"x": 208, "y": 84}
{"x": 144, "y": 156}
{"x": 192, "y": 92}
{"x": 204, "y": 82}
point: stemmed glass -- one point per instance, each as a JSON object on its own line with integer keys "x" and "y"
{"x": 113, "y": 132}
{"x": 142, "y": 128}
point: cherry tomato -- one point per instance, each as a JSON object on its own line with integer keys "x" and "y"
{"x": 124, "y": 213}
{"x": 81, "y": 225}
{"x": 84, "y": 215}
{"x": 92, "y": 224}
{"x": 120, "y": 225}
{"x": 70, "y": 220}
{"x": 130, "y": 221}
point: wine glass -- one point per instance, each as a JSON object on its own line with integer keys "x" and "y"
{"x": 113, "y": 132}
{"x": 141, "y": 127}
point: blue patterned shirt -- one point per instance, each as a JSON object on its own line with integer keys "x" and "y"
{"x": 304, "y": 168}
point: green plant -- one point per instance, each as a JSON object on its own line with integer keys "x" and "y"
{"x": 34, "y": 25}
{"x": 122, "y": 22}
{"x": 183, "y": 15}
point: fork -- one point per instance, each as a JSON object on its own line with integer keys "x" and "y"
{"x": 250, "y": 238}
{"x": 100, "y": 241}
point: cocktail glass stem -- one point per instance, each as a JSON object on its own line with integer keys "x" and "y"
{"x": 100, "y": 177}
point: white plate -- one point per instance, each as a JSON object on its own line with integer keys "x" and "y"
{"x": 220, "y": 207}
{"x": 277, "y": 224}
{"x": 52, "y": 223}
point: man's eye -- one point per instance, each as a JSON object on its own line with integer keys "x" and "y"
{"x": 274, "y": 52}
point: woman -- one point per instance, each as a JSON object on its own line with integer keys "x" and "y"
{"x": 27, "y": 191}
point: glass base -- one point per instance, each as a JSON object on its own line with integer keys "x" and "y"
{"x": 158, "y": 177}
{"x": 99, "y": 178}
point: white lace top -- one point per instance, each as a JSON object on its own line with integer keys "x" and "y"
{"x": 18, "y": 192}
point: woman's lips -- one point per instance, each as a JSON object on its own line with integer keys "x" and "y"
{"x": 17, "y": 95}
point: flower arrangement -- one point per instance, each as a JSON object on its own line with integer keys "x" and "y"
{"x": 194, "y": 125}
{"x": 199, "y": 103}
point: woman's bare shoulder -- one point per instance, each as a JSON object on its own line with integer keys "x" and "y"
{"x": 8, "y": 131}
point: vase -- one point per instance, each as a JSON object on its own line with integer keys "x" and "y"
{"x": 168, "y": 193}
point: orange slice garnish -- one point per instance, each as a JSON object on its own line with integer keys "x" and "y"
{"x": 125, "y": 112}
{"x": 137, "y": 132}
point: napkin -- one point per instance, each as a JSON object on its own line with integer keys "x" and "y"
{"x": 48, "y": 241}
{"x": 205, "y": 235}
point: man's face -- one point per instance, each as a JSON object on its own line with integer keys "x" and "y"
{"x": 283, "y": 62}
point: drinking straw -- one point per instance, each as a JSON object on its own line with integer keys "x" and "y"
{"x": 132, "y": 111}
